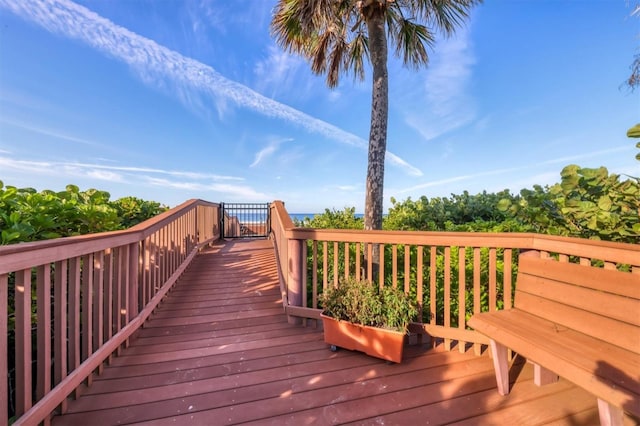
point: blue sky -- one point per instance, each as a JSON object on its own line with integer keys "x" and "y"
{"x": 172, "y": 100}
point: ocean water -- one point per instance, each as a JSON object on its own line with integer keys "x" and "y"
{"x": 301, "y": 216}
{"x": 258, "y": 217}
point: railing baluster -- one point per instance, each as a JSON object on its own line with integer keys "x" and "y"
{"x": 23, "y": 340}
{"x": 87, "y": 314}
{"x": 303, "y": 277}
{"x": 347, "y": 267}
{"x": 124, "y": 291}
{"x": 117, "y": 291}
{"x": 358, "y": 263}
{"x": 493, "y": 299}
{"x": 60, "y": 325}
{"x": 407, "y": 268}
{"x": 108, "y": 296}
{"x": 143, "y": 272}
{"x": 433, "y": 268}
{"x": 336, "y": 263}
{"x": 420, "y": 280}
{"x": 98, "y": 303}
{"x": 43, "y": 295}
{"x": 477, "y": 290}
{"x": 325, "y": 265}
{"x": 462, "y": 294}
{"x": 132, "y": 280}
{"x": 74, "y": 313}
{"x": 507, "y": 279}
{"x": 381, "y": 265}
{"x": 369, "y": 260}
{"x": 314, "y": 272}
{"x": 394, "y": 265}
{"x": 447, "y": 293}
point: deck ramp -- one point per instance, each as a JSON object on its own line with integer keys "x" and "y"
{"x": 219, "y": 350}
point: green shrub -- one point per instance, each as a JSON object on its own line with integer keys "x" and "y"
{"x": 360, "y": 302}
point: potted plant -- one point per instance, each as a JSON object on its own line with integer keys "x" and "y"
{"x": 358, "y": 315}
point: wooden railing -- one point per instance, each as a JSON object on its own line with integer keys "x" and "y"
{"x": 87, "y": 294}
{"x": 430, "y": 266}
{"x": 82, "y": 297}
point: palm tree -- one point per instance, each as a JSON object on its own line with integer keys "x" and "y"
{"x": 337, "y": 35}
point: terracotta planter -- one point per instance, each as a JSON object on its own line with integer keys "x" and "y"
{"x": 376, "y": 342}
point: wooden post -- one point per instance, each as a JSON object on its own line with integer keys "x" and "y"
{"x": 610, "y": 415}
{"x": 294, "y": 277}
{"x": 501, "y": 366}
{"x": 543, "y": 376}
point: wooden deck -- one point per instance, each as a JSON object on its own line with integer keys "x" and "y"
{"x": 219, "y": 350}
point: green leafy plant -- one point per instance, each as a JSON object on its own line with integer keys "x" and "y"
{"x": 29, "y": 215}
{"x": 360, "y": 302}
{"x": 587, "y": 203}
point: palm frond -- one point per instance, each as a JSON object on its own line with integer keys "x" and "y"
{"x": 358, "y": 52}
{"x": 333, "y": 34}
{"x": 444, "y": 15}
{"x": 411, "y": 43}
{"x": 336, "y": 62}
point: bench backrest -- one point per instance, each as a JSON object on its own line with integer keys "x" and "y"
{"x": 603, "y": 303}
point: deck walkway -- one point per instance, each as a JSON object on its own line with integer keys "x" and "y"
{"x": 219, "y": 350}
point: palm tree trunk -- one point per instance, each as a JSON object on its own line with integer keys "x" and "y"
{"x": 374, "y": 16}
{"x": 379, "y": 115}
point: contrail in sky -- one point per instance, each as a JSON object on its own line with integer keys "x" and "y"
{"x": 75, "y": 21}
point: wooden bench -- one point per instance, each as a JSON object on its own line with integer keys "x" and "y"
{"x": 579, "y": 322}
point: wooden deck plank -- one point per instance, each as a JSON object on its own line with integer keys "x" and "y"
{"x": 230, "y": 356}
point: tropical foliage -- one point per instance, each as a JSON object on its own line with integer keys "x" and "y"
{"x": 336, "y": 219}
{"x": 29, "y": 215}
{"x": 587, "y": 203}
{"x": 634, "y": 132}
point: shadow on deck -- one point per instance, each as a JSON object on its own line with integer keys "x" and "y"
{"x": 219, "y": 350}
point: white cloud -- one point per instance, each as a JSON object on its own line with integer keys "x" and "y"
{"x": 335, "y": 95}
{"x": 180, "y": 180}
{"x": 104, "y": 175}
{"x": 277, "y": 71}
{"x": 49, "y": 132}
{"x": 242, "y": 192}
{"x": 35, "y": 167}
{"x": 163, "y": 67}
{"x": 349, "y": 188}
{"x": 176, "y": 173}
{"x": 594, "y": 154}
{"x": 105, "y": 172}
{"x": 447, "y": 104}
{"x": 267, "y": 151}
{"x": 540, "y": 179}
{"x": 409, "y": 169}
{"x": 264, "y": 153}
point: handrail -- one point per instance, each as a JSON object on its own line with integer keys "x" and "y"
{"x": 103, "y": 285}
{"x": 430, "y": 266}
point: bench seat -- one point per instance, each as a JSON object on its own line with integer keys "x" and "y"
{"x": 587, "y": 333}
